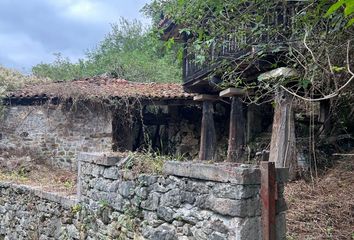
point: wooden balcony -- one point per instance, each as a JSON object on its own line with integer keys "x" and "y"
{"x": 240, "y": 44}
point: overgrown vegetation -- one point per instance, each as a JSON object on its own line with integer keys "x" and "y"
{"x": 11, "y": 80}
{"x": 128, "y": 52}
{"x": 149, "y": 161}
{"x": 23, "y": 170}
{"x": 318, "y": 43}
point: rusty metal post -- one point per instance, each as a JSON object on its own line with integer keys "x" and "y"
{"x": 268, "y": 198}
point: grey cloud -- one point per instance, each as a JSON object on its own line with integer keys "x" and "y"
{"x": 47, "y": 24}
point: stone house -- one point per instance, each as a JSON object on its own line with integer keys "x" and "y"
{"x": 56, "y": 121}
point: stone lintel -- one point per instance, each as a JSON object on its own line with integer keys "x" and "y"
{"x": 99, "y": 158}
{"x": 205, "y": 97}
{"x": 224, "y": 172}
{"x": 283, "y": 72}
{"x": 232, "y": 92}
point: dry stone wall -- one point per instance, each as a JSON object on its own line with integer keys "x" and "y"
{"x": 54, "y": 133}
{"x": 216, "y": 202}
{"x": 29, "y": 213}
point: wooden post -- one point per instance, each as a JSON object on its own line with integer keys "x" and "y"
{"x": 268, "y": 198}
{"x": 283, "y": 142}
{"x": 208, "y": 134}
{"x": 250, "y": 122}
{"x": 237, "y": 124}
{"x": 324, "y": 116}
{"x": 236, "y": 131}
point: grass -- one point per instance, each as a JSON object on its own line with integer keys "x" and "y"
{"x": 148, "y": 161}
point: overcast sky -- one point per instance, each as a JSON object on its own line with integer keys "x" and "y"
{"x": 32, "y": 30}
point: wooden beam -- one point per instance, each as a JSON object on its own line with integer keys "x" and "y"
{"x": 283, "y": 143}
{"x": 268, "y": 199}
{"x": 170, "y": 102}
{"x": 236, "y": 131}
{"x": 232, "y": 92}
{"x": 205, "y": 97}
{"x": 208, "y": 135}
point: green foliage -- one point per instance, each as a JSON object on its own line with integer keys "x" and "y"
{"x": 128, "y": 52}
{"x": 315, "y": 41}
{"x": 68, "y": 184}
{"x": 103, "y": 203}
{"x": 76, "y": 208}
{"x": 149, "y": 161}
{"x": 348, "y": 10}
{"x": 212, "y": 24}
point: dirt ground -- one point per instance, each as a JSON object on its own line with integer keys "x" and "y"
{"x": 323, "y": 208}
{"x": 49, "y": 179}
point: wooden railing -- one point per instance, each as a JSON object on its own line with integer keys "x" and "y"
{"x": 241, "y": 42}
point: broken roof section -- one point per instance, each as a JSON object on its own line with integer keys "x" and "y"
{"x": 99, "y": 88}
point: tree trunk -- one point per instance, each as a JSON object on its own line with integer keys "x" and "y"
{"x": 283, "y": 144}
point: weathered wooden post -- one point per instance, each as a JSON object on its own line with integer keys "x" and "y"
{"x": 237, "y": 124}
{"x": 208, "y": 135}
{"x": 324, "y": 116}
{"x": 283, "y": 143}
{"x": 268, "y": 198}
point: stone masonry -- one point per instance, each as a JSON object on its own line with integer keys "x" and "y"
{"x": 53, "y": 133}
{"x": 189, "y": 201}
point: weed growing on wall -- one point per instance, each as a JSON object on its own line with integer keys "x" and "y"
{"x": 149, "y": 161}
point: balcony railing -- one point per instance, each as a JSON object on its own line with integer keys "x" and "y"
{"x": 241, "y": 42}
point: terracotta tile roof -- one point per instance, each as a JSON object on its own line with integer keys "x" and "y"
{"x": 103, "y": 87}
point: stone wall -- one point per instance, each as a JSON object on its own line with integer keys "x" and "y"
{"x": 192, "y": 201}
{"x": 29, "y": 213}
{"x": 216, "y": 202}
{"x": 54, "y": 133}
